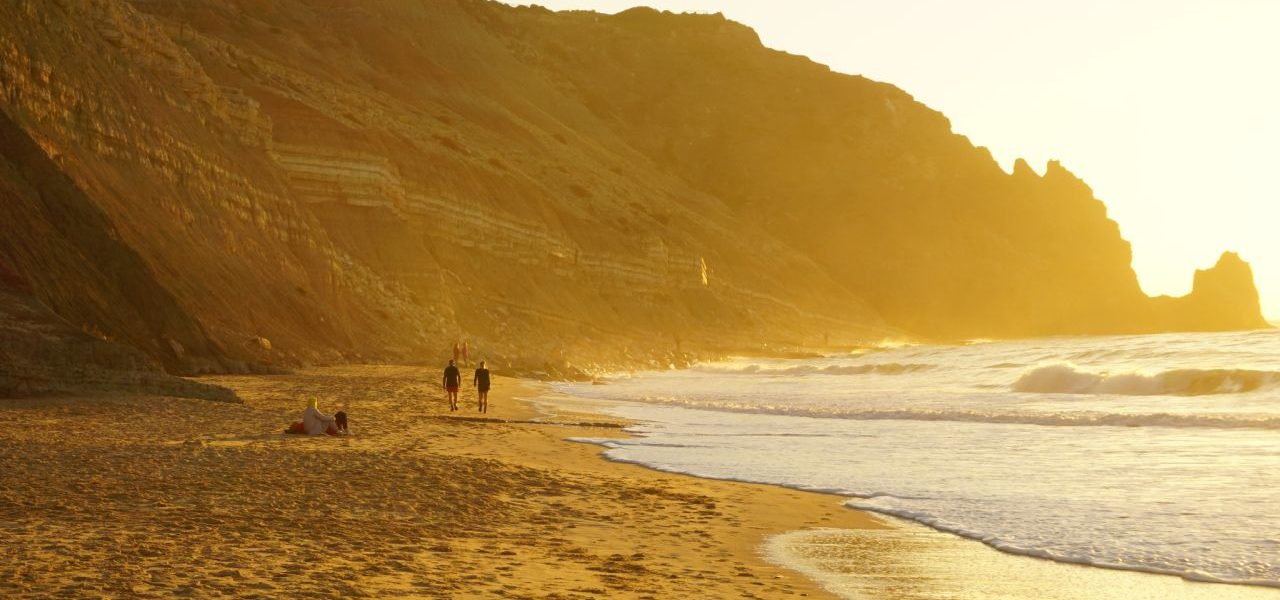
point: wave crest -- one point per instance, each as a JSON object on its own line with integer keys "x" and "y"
{"x": 1066, "y": 379}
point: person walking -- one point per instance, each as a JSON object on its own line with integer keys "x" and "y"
{"x": 481, "y": 381}
{"x": 452, "y": 380}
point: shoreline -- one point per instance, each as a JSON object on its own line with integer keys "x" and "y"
{"x": 154, "y": 497}
{"x": 963, "y": 566}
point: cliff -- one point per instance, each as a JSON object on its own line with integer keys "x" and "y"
{"x": 41, "y": 353}
{"x": 245, "y": 185}
{"x": 871, "y": 184}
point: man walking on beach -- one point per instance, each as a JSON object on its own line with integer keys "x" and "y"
{"x": 452, "y": 380}
{"x": 481, "y": 381}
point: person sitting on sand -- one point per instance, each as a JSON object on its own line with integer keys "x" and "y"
{"x": 452, "y": 380}
{"x": 316, "y": 422}
{"x": 481, "y": 381}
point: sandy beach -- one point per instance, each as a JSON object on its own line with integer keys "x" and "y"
{"x": 153, "y": 497}
{"x": 156, "y": 497}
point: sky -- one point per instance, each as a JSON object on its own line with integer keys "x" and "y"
{"x": 1169, "y": 109}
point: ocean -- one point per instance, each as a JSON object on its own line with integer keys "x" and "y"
{"x": 1156, "y": 453}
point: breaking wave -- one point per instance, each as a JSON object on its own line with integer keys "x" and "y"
{"x": 1066, "y": 379}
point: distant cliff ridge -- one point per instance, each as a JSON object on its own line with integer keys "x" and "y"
{"x": 236, "y": 185}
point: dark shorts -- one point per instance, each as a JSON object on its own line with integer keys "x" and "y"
{"x": 453, "y": 389}
{"x": 483, "y": 388}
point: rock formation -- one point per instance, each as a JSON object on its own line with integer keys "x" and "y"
{"x": 41, "y": 353}
{"x": 1222, "y": 297}
{"x": 235, "y": 186}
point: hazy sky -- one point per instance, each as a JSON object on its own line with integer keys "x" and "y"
{"x": 1167, "y": 108}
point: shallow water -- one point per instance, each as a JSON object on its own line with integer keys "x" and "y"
{"x": 1152, "y": 453}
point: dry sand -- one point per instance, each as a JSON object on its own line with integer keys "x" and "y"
{"x": 145, "y": 497}
{"x": 158, "y": 497}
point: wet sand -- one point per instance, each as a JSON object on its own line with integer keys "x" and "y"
{"x": 157, "y": 497}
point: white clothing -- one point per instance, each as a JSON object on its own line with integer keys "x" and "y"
{"x": 315, "y": 422}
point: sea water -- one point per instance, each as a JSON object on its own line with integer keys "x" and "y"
{"x": 1156, "y": 453}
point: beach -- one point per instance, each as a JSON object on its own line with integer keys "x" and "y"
{"x": 154, "y": 497}
{"x": 158, "y": 497}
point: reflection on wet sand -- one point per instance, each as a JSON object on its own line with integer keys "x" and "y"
{"x": 913, "y": 562}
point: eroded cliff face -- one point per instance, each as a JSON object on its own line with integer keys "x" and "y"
{"x": 178, "y": 171}
{"x": 872, "y": 185}
{"x": 42, "y": 353}
{"x": 302, "y": 185}
{"x": 299, "y": 181}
